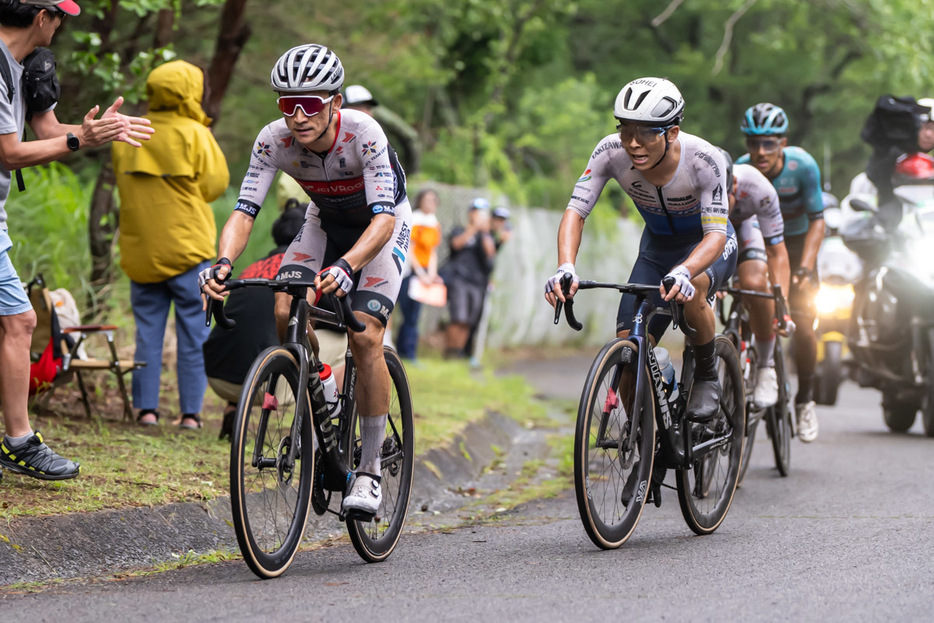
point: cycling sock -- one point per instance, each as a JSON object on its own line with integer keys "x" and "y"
{"x": 15, "y": 442}
{"x": 372, "y": 433}
{"x": 804, "y": 389}
{"x": 767, "y": 353}
{"x": 705, "y": 361}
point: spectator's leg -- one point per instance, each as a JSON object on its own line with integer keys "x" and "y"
{"x": 150, "y": 303}
{"x": 15, "y": 338}
{"x": 192, "y": 333}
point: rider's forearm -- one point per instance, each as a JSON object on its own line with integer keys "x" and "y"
{"x": 779, "y": 269}
{"x": 705, "y": 253}
{"x": 812, "y": 242}
{"x": 234, "y": 236}
{"x": 371, "y": 242}
{"x": 570, "y": 233}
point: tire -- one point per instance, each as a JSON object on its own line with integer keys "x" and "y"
{"x": 706, "y": 488}
{"x": 899, "y": 416}
{"x": 927, "y": 409}
{"x": 750, "y": 372}
{"x": 375, "y": 540}
{"x": 269, "y": 503}
{"x": 778, "y": 417}
{"x": 827, "y": 381}
{"x": 603, "y": 476}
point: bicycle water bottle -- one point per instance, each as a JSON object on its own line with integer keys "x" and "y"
{"x": 330, "y": 391}
{"x": 668, "y": 372}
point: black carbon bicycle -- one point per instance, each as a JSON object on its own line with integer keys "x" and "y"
{"x": 778, "y": 420}
{"x": 275, "y": 472}
{"x": 629, "y": 433}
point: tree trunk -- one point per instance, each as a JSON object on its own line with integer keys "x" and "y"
{"x": 233, "y": 34}
{"x": 102, "y": 223}
{"x": 164, "y": 23}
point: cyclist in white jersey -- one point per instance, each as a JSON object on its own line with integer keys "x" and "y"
{"x": 677, "y": 182}
{"x": 763, "y": 261}
{"x": 356, "y": 233}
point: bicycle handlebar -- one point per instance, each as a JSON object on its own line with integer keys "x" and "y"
{"x": 780, "y": 307}
{"x": 676, "y": 310}
{"x": 343, "y": 313}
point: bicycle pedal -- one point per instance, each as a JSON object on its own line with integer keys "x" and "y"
{"x": 356, "y": 515}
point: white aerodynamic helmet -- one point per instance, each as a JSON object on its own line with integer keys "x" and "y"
{"x": 308, "y": 67}
{"x": 650, "y": 100}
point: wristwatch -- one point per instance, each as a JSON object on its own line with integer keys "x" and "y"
{"x": 72, "y": 141}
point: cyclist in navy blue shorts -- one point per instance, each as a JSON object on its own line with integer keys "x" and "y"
{"x": 678, "y": 183}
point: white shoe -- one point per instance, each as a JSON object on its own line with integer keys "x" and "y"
{"x": 766, "y": 391}
{"x": 806, "y": 416}
{"x": 365, "y": 495}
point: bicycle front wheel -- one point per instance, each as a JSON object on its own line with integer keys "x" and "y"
{"x": 706, "y": 488}
{"x": 614, "y": 447}
{"x": 778, "y": 418}
{"x": 374, "y": 540}
{"x": 269, "y": 492}
{"x": 750, "y": 375}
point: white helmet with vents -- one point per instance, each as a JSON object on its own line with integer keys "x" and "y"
{"x": 650, "y": 100}
{"x": 308, "y": 67}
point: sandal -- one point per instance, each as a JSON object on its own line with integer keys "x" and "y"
{"x": 144, "y": 413}
{"x": 230, "y": 412}
{"x": 190, "y": 421}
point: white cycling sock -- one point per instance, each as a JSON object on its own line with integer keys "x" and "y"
{"x": 372, "y": 433}
{"x": 767, "y": 353}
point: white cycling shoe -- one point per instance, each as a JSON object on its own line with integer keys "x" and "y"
{"x": 365, "y": 494}
{"x": 766, "y": 392}
{"x": 806, "y": 415}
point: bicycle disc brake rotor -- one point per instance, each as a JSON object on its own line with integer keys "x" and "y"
{"x": 282, "y": 464}
{"x": 391, "y": 448}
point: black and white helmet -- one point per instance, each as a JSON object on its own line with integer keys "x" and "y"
{"x": 308, "y": 67}
{"x": 655, "y": 101}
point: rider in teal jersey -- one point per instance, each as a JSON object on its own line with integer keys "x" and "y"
{"x": 796, "y": 178}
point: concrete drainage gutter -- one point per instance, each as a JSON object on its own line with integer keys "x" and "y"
{"x": 37, "y": 549}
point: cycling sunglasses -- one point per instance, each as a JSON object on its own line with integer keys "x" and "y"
{"x": 311, "y": 105}
{"x": 642, "y": 133}
{"x": 767, "y": 145}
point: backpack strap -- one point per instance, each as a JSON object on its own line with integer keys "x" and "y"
{"x": 7, "y": 76}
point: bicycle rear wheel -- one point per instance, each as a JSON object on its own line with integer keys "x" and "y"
{"x": 269, "y": 497}
{"x": 706, "y": 489}
{"x": 374, "y": 540}
{"x": 614, "y": 447}
{"x": 778, "y": 417}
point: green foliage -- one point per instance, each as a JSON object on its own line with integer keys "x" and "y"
{"x": 48, "y": 224}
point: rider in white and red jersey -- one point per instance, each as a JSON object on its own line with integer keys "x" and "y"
{"x": 356, "y": 232}
{"x": 762, "y": 262}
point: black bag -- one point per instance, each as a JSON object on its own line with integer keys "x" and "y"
{"x": 40, "y": 82}
{"x": 894, "y": 122}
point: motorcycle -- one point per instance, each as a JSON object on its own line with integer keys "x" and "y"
{"x": 891, "y": 334}
{"x": 839, "y": 269}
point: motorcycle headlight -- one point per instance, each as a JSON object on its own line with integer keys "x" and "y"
{"x": 831, "y": 299}
{"x": 920, "y": 256}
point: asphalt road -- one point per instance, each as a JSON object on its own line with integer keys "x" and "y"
{"x": 846, "y": 537}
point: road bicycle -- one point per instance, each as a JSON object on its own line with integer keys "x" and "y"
{"x": 279, "y": 467}
{"x": 629, "y": 431}
{"x": 778, "y": 420}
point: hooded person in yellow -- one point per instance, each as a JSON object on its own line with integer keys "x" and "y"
{"x": 168, "y": 234}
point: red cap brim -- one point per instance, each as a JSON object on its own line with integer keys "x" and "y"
{"x": 69, "y": 6}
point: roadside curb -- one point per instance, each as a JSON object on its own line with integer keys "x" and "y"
{"x": 38, "y": 549}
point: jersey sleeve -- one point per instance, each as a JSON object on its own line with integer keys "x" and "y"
{"x": 588, "y": 187}
{"x": 260, "y": 174}
{"x": 763, "y": 201}
{"x": 378, "y": 177}
{"x": 710, "y": 172}
{"x": 811, "y": 189}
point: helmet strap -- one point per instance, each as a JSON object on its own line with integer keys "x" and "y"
{"x": 328, "y": 126}
{"x": 665, "y": 153}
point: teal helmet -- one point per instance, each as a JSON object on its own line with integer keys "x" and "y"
{"x": 764, "y": 120}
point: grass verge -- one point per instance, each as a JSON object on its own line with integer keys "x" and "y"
{"x": 126, "y": 465}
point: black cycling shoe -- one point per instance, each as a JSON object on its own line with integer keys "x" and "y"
{"x": 704, "y": 402}
{"x": 36, "y": 459}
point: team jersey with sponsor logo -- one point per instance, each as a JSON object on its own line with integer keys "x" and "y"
{"x": 757, "y": 198}
{"x": 693, "y": 203}
{"x": 357, "y": 178}
{"x": 799, "y": 191}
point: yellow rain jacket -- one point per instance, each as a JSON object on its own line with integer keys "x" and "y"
{"x": 166, "y": 223}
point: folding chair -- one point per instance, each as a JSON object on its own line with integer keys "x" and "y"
{"x": 71, "y": 339}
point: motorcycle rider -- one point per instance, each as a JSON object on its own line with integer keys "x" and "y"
{"x": 796, "y": 177}
{"x": 762, "y": 262}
